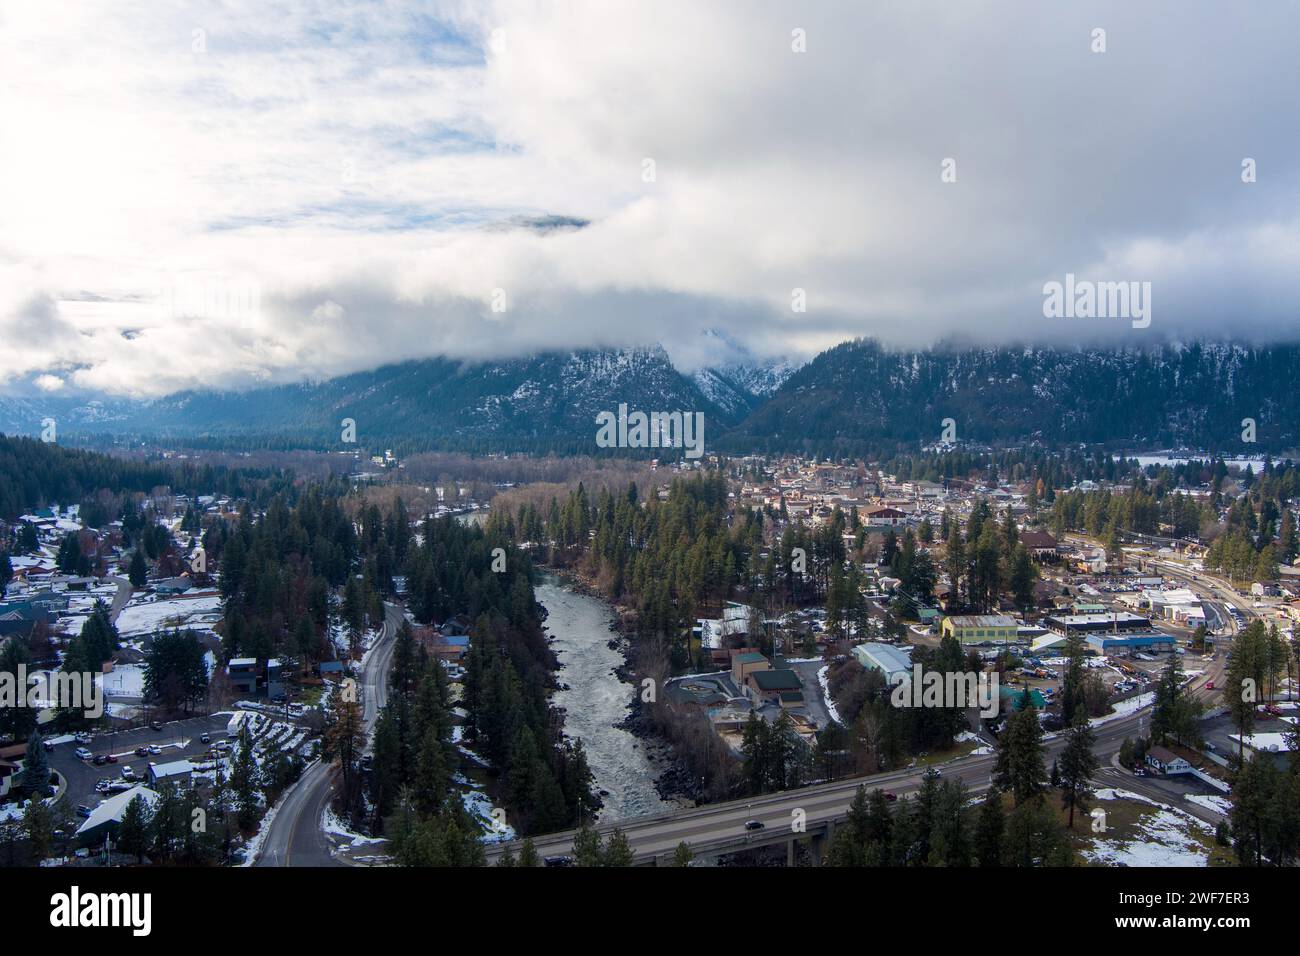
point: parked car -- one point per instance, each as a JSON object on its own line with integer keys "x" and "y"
{"x": 1209, "y": 685}
{"x": 49, "y": 747}
{"x": 82, "y": 737}
{"x": 83, "y": 810}
{"x": 221, "y": 746}
{"x": 84, "y": 754}
{"x": 128, "y": 773}
{"x": 142, "y": 751}
{"x": 99, "y": 760}
{"x": 155, "y": 749}
{"x": 112, "y": 758}
{"x": 891, "y": 796}
{"x": 205, "y": 738}
{"x": 155, "y": 725}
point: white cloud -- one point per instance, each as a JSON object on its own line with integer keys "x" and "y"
{"x": 344, "y": 160}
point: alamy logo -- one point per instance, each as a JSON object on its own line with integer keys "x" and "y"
{"x": 68, "y": 690}
{"x": 1085, "y": 299}
{"x": 655, "y": 430}
{"x": 954, "y": 689}
{"x": 75, "y": 909}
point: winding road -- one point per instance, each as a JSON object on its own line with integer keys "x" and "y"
{"x": 296, "y": 837}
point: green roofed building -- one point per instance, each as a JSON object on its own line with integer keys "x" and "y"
{"x": 1015, "y": 696}
{"x": 766, "y": 686}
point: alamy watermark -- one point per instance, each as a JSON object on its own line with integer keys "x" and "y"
{"x": 653, "y": 430}
{"x": 1085, "y": 299}
{"x": 952, "y": 689}
{"x": 68, "y": 690}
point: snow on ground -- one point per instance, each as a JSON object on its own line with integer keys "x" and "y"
{"x": 125, "y": 680}
{"x": 1125, "y": 707}
{"x": 332, "y": 824}
{"x": 340, "y": 637}
{"x": 1273, "y": 742}
{"x": 1217, "y": 804}
{"x": 967, "y": 736}
{"x": 144, "y": 617}
{"x": 1166, "y": 838}
{"x": 480, "y": 808}
{"x": 253, "y": 846}
{"x": 826, "y": 694}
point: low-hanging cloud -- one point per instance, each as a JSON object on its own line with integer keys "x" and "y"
{"x": 275, "y": 191}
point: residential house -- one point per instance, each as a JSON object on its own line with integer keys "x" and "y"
{"x": 1163, "y": 760}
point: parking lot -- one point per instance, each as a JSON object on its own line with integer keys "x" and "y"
{"x": 178, "y": 739}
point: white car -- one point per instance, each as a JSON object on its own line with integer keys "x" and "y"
{"x": 84, "y": 754}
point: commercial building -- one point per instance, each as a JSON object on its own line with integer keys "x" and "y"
{"x": 891, "y": 661}
{"x": 981, "y": 628}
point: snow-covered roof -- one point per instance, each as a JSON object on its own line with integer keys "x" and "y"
{"x": 113, "y": 808}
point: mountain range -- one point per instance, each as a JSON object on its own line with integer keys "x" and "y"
{"x": 856, "y": 398}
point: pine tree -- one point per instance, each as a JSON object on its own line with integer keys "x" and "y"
{"x": 243, "y": 780}
{"x": 132, "y": 832}
{"x": 528, "y": 854}
{"x": 587, "y": 849}
{"x": 38, "y": 827}
{"x": 683, "y": 855}
{"x": 988, "y": 834}
{"x": 1078, "y": 764}
{"x": 36, "y": 767}
{"x": 138, "y": 571}
{"x": 617, "y": 852}
{"x": 1019, "y": 768}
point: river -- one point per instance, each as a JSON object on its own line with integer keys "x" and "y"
{"x": 595, "y": 700}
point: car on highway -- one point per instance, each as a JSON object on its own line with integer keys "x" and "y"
{"x": 753, "y": 824}
{"x": 557, "y": 861}
{"x": 84, "y": 754}
{"x": 932, "y": 773}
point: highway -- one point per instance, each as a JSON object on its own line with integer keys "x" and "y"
{"x": 720, "y": 827}
{"x": 296, "y": 837}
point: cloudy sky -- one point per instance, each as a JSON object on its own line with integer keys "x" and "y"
{"x": 225, "y": 193}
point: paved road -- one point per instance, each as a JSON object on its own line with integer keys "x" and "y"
{"x": 721, "y": 826}
{"x": 124, "y": 592}
{"x": 296, "y": 837}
